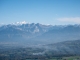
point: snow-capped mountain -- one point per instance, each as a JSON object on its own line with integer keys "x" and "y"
{"x": 22, "y": 32}
{"x": 60, "y": 34}
{"x": 38, "y": 33}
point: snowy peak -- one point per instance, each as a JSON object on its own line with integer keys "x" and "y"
{"x": 19, "y": 23}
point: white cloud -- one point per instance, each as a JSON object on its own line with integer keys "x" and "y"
{"x": 70, "y": 19}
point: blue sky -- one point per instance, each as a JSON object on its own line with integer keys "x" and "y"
{"x": 55, "y": 12}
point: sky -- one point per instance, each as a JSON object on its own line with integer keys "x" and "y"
{"x": 54, "y": 12}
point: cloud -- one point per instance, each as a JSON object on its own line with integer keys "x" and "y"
{"x": 70, "y": 19}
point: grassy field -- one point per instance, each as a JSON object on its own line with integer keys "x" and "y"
{"x": 67, "y": 58}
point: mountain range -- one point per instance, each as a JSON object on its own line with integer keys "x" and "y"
{"x": 39, "y": 33}
{"x": 58, "y": 39}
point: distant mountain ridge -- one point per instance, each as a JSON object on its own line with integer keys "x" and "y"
{"x": 60, "y": 34}
{"x": 22, "y": 32}
{"x": 38, "y": 33}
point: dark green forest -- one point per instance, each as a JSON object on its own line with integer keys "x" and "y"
{"x": 30, "y": 54}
